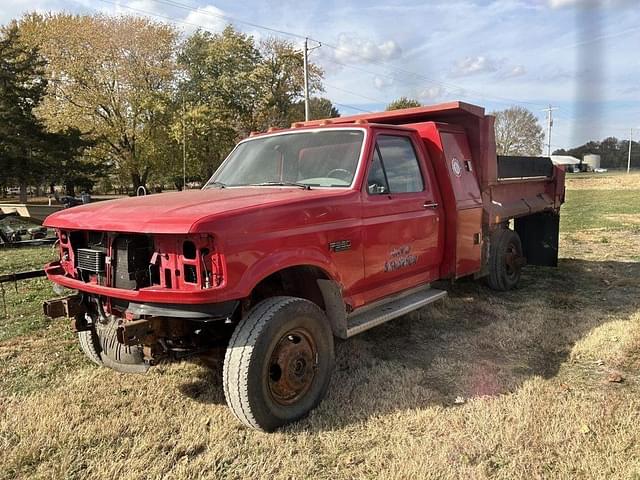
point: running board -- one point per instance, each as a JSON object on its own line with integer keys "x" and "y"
{"x": 359, "y": 322}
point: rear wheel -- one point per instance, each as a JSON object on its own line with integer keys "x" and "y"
{"x": 278, "y": 363}
{"x": 505, "y": 260}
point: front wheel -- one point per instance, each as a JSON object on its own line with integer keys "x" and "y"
{"x": 278, "y": 363}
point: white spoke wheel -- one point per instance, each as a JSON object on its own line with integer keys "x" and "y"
{"x": 278, "y": 363}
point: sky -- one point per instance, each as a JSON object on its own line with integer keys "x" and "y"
{"x": 580, "y": 56}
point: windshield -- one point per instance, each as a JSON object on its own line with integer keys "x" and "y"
{"x": 321, "y": 158}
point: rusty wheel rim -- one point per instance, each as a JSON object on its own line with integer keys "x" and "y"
{"x": 292, "y": 366}
{"x": 511, "y": 259}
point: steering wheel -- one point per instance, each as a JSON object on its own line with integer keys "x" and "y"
{"x": 342, "y": 174}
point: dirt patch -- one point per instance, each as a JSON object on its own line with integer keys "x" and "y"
{"x": 601, "y": 244}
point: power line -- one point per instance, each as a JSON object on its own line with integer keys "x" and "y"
{"x": 352, "y": 107}
{"x": 228, "y": 18}
{"x": 419, "y": 76}
{"x": 374, "y": 100}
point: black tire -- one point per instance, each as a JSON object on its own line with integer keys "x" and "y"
{"x": 264, "y": 391}
{"x": 119, "y": 357}
{"x": 90, "y": 346}
{"x": 505, "y": 260}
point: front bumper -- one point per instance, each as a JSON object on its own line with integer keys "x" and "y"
{"x": 155, "y": 294}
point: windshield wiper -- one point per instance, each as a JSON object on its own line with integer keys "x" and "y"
{"x": 284, "y": 184}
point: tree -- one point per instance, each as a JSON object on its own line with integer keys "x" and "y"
{"x": 23, "y": 137}
{"x": 230, "y": 86}
{"x": 403, "y": 102}
{"x": 215, "y": 100}
{"x": 112, "y": 78}
{"x": 67, "y": 151}
{"x": 318, "y": 108}
{"x": 518, "y": 132}
{"x": 281, "y": 82}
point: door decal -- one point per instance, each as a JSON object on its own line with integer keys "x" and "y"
{"x": 400, "y": 257}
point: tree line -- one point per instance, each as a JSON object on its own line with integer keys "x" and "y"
{"x": 614, "y": 152}
{"x": 120, "y": 100}
{"x": 123, "y": 100}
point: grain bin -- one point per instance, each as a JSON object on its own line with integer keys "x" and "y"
{"x": 592, "y": 161}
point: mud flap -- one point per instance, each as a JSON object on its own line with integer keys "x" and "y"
{"x": 539, "y": 237}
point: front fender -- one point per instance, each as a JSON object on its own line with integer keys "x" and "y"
{"x": 286, "y": 258}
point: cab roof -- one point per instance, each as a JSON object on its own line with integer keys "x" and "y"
{"x": 443, "y": 112}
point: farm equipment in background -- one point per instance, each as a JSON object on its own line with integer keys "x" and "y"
{"x": 16, "y": 231}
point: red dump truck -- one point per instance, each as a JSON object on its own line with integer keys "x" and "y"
{"x": 322, "y": 230}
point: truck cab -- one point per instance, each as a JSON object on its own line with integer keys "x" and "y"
{"x": 322, "y": 230}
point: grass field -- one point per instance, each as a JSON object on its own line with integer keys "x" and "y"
{"x": 545, "y": 377}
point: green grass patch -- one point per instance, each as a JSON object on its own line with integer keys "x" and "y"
{"x": 25, "y": 258}
{"x": 21, "y": 302}
{"x": 592, "y": 209}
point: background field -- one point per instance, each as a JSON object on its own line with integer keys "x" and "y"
{"x": 547, "y": 376}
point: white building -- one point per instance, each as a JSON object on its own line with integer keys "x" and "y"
{"x": 570, "y": 164}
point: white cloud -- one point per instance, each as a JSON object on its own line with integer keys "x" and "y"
{"x": 589, "y": 3}
{"x": 353, "y": 49}
{"x": 382, "y": 82}
{"x": 515, "y": 71}
{"x": 432, "y": 93}
{"x": 567, "y": 3}
{"x": 14, "y": 9}
{"x": 206, "y": 18}
{"x": 473, "y": 66}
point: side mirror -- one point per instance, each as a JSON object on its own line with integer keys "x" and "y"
{"x": 375, "y": 189}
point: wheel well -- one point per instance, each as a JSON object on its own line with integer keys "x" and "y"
{"x": 299, "y": 281}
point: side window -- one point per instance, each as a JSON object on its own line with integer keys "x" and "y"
{"x": 377, "y": 180}
{"x": 400, "y": 164}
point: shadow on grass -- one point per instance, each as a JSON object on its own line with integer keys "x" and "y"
{"x": 477, "y": 343}
{"x": 206, "y": 387}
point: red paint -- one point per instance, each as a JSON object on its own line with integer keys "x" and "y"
{"x": 396, "y": 243}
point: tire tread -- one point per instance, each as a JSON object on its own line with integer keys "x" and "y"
{"x": 238, "y": 356}
{"x": 89, "y": 345}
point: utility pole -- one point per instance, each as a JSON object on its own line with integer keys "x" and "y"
{"x": 629, "y": 158}
{"x": 184, "y": 147}
{"x": 306, "y": 80}
{"x": 305, "y": 53}
{"x": 549, "y": 109}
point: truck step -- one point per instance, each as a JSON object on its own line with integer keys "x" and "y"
{"x": 389, "y": 309}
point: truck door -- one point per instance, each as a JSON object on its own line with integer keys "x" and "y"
{"x": 401, "y": 217}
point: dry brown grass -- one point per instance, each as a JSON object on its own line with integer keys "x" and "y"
{"x": 598, "y": 181}
{"x": 532, "y": 367}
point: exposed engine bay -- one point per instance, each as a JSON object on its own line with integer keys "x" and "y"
{"x": 129, "y": 336}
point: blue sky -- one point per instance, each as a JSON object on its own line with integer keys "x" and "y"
{"x": 578, "y": 55}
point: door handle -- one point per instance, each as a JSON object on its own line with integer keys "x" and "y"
{"x": 430, "y": 205}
